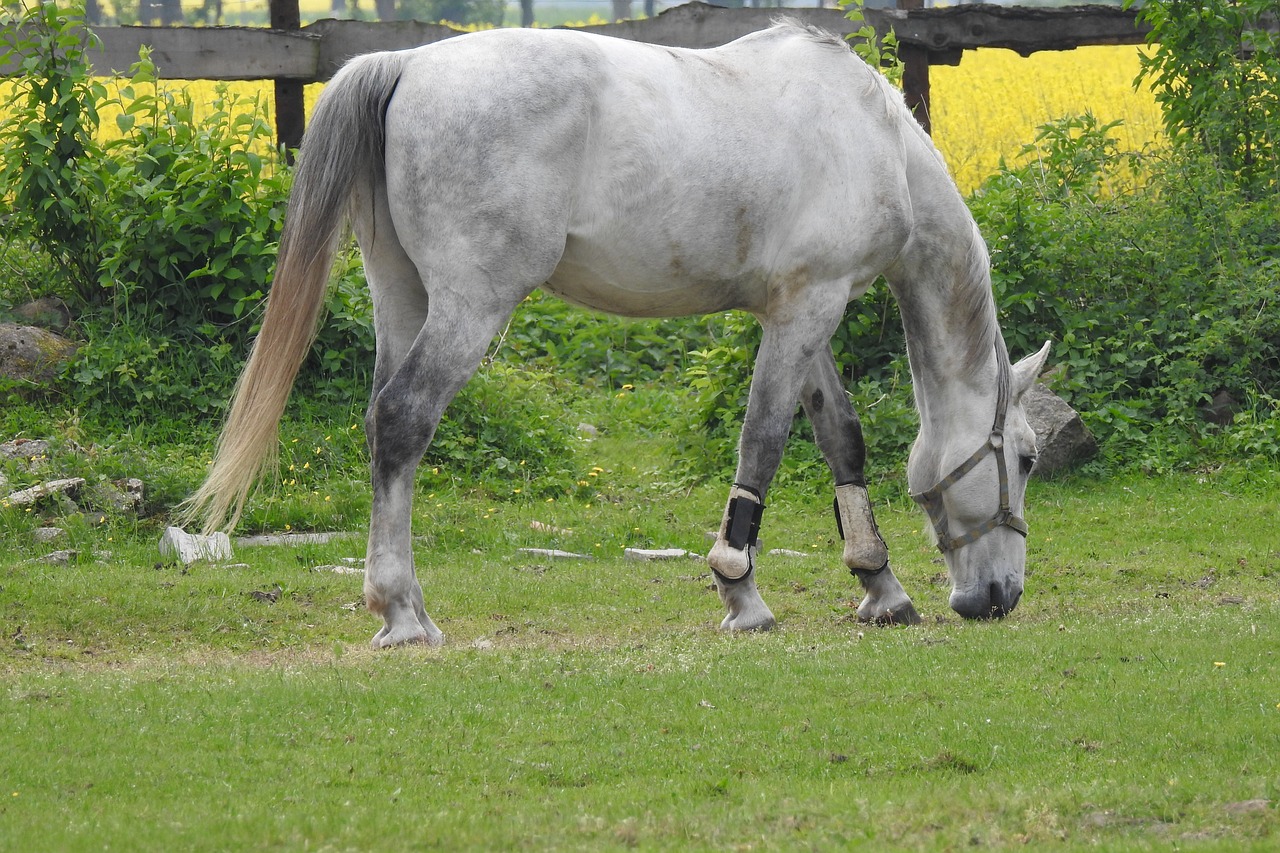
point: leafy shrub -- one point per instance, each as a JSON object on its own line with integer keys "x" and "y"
{"x": 1215, "y": 69}
{"x": 463, "y": 12}
{"x": 1156, "y": 298}
{"x": 597, "y": 350}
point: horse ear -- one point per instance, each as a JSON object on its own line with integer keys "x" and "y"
{"x": 1028, "y": 370}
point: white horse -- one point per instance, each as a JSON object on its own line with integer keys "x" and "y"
{"x": 778, "y": 175}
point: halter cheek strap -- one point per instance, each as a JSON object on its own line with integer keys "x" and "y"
{"x": 931, "y": 499}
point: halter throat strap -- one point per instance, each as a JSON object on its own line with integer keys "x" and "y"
{"x": 931, "y": 499}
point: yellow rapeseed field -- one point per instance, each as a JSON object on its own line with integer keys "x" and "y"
{"x": 984, "y": 110}
{"x": 990, "y": 105}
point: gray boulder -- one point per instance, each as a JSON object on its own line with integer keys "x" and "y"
{"x": 1061, "y": 435}
{"x": 32, "y": 356}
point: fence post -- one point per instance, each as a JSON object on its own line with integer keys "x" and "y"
{"x": 290, "y": 111}
{"x": 915, "y": 74}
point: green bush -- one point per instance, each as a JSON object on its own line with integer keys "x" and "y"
{"x": 1156, "y": 298}
{"x": 1215, "y": 69}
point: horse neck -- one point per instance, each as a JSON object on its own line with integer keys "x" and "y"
{"x": 953, "y": 338}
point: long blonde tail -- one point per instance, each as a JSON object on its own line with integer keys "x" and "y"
{"x": 342, "y": 149}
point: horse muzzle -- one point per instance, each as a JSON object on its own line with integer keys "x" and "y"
{"x": 993, "y": 600}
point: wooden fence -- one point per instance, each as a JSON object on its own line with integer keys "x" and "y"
{"x": 313, "y": 53}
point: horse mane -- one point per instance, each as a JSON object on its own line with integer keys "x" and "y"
{"x": 973, "y": 299}
{"x": 813, "y": 32}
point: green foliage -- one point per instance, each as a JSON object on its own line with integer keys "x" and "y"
{"x": 1156, "y": 298}
{"x": 464, "y": 12}
{"x": 508, "y": 426}
{"x": 47, "y": 149}
{"x": 878, "y": 51}
{"x": 598, "y": 350}
{"x": 196, "y": 208}
{"x": 1215, "y": 70}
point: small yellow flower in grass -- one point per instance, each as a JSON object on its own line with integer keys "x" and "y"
{"x": 290, "y": 467}
{"x": 326, "y": 497}
{"x": 353, "y": 426}
{"x": 295, "y": 441}
{"x": 1219, "y": 663}
{"x": 319, "y": 450}
{"x": 306, "y": 466}
{"x": 628, "y": 387}
{"x": 551, "y": 500}
{"x": 288, "y": 527}
{"x": 516, "y": 491}
{"x": 328, "y": 437}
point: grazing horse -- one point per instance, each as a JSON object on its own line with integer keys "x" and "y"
{"x": 778, "y": 175}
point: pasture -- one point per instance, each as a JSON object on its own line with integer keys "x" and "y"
{"x": 1131, "y": 702}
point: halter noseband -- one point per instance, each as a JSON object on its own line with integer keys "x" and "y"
{"x": 931, "y": 499}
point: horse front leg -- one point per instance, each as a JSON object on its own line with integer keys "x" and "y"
{"x": 838, "y": 432}
{"x": 782, "y": 363}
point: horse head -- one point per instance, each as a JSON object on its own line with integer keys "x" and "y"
{"x": 974, "y": 497}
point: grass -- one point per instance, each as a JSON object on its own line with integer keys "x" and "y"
{"x": 1131, "y": 702}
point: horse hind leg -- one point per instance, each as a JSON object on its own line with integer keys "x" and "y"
{"x": 400, "y": 310}
{"x": 838, "y": 432}
{"x": 401, "y": 422}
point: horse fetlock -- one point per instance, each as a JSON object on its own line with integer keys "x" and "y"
{"x": 730, "y": 564}
{"x": 864, "y": 549}
{"x": 406, "y": 625}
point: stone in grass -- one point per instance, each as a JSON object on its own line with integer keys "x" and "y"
{"x": 655, "y": 554}
{"x": 26, "y": 497}
{"x": 189, "y": 547}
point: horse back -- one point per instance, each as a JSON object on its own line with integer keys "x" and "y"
{"x": 664, "y": 181}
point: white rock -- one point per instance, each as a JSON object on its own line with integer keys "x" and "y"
{"x": 35, "y": 493}
{"x": 189, "y": 547}
{"x": 651, "y": 554}
{"x": 553, "y": 552}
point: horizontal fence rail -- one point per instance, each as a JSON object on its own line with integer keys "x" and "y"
{"x": 315, "y": 52}
{"x": 292, "y": 57}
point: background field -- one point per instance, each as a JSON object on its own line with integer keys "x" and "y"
{"x": 984, "y": 110}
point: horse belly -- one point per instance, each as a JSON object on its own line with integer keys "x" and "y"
{"x": 635, "y": 287}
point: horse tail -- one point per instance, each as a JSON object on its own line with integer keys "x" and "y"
{"x": 342, "y": 151}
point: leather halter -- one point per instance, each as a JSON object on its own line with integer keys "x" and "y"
{"x": 931, "y": 499}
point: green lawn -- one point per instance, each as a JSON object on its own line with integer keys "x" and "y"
{"x": 1131, "y": 702}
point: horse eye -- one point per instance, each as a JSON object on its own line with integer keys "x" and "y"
{"x": 1027, "y": 463}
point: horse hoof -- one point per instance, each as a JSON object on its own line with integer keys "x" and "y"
{"x": 743, "y": 622}
{"x": 902, "y": 615}
{"x": 385, "y": 639}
